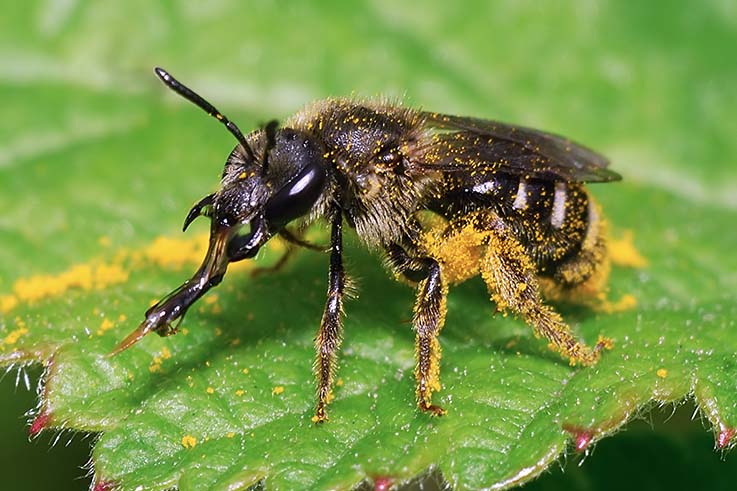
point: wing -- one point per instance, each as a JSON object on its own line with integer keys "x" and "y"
{"x": 471, "y": 144}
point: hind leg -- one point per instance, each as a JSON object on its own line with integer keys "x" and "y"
{"x": 510, "y": 277}
{"x": 591, "y": 265}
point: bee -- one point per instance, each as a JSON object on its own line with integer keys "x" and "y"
{"x": 445, "y": 198}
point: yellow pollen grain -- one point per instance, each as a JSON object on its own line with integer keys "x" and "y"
{"x": 277, "y": 390}
{"x": 240, "y": 392}
{"x": 245, "y": 371}
{"x": 106, "y": 325}
{"x": 625, "y": 303}
{"x": 188, "y": 441}
{"x": 339, "y": 382}
{"x": 95, "y": 275}
{"x": 81, "y": 276}
{"x": 662, "y": 372}
{"x": 14, "y": 336}
{"x": 166, "y": 251}
{"x": 242, "y": 175}
{"x": 165, "y": 353}
{"x": 122, "y": 318}
{"x": 623, "y": 252}
{"x": 109, "y": 274}
{"x": 8, "y": 303}
{"x": 230, "y": 434}
{"x": 210, "y": 390}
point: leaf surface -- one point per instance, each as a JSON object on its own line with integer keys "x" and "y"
{"x": 99, "y": 173}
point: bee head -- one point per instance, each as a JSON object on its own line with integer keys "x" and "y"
{"x": 270, "y": 179}
{"x": 279, "y": 181}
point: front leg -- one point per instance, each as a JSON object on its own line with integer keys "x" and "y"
{"x": 330, "y": 334}
{"x": 428, "y": 320}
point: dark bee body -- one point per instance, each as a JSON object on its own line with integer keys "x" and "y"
{"x": 446, "y": 198}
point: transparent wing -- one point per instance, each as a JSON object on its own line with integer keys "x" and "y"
{"x": 471, "y": 144}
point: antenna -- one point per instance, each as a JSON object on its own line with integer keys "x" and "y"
{"x": 196, "y": 99}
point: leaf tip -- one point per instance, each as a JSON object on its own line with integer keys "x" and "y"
{"x": 582, "y": 437}
{"x": 104, "y": 486}
{"x": 725, "y": 436}
{"x": 383, "y": 483}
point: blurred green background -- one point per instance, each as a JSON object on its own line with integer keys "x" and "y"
{"x": 650, "y": 84}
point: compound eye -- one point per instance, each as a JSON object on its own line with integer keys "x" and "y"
{"x": 297, "y": 197}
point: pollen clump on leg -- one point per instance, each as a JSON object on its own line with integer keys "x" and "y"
{"x": 459, "y": 251}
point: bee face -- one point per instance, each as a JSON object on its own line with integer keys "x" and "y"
{"x": 279, "y": 182}
{"x": 243, "y": 191}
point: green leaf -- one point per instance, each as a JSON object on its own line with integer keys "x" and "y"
{"x": 99, "y": 164}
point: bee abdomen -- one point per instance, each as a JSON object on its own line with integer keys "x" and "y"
{"x": 550, "y": 218}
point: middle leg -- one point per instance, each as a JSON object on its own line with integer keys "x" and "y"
{"x": 428, "y": 320}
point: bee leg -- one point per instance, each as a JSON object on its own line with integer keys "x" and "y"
{"x": 293, "y": 241}
{"x": 405, "y": 266}
{"x": 428, "y": 320}
{"x": 296, "y": 239}
{"x": 330, "y": 334}
{"x": 510, "y": 276}
{"x": 430, "y": 309}
{"x": 278, "y": 265}
{"x": 590, "y": 265}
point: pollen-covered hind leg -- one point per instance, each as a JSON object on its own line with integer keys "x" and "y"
{"x": 590, "y": 267}
{"x": 510, "y": 276}
{"x": 428, "y": 320}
